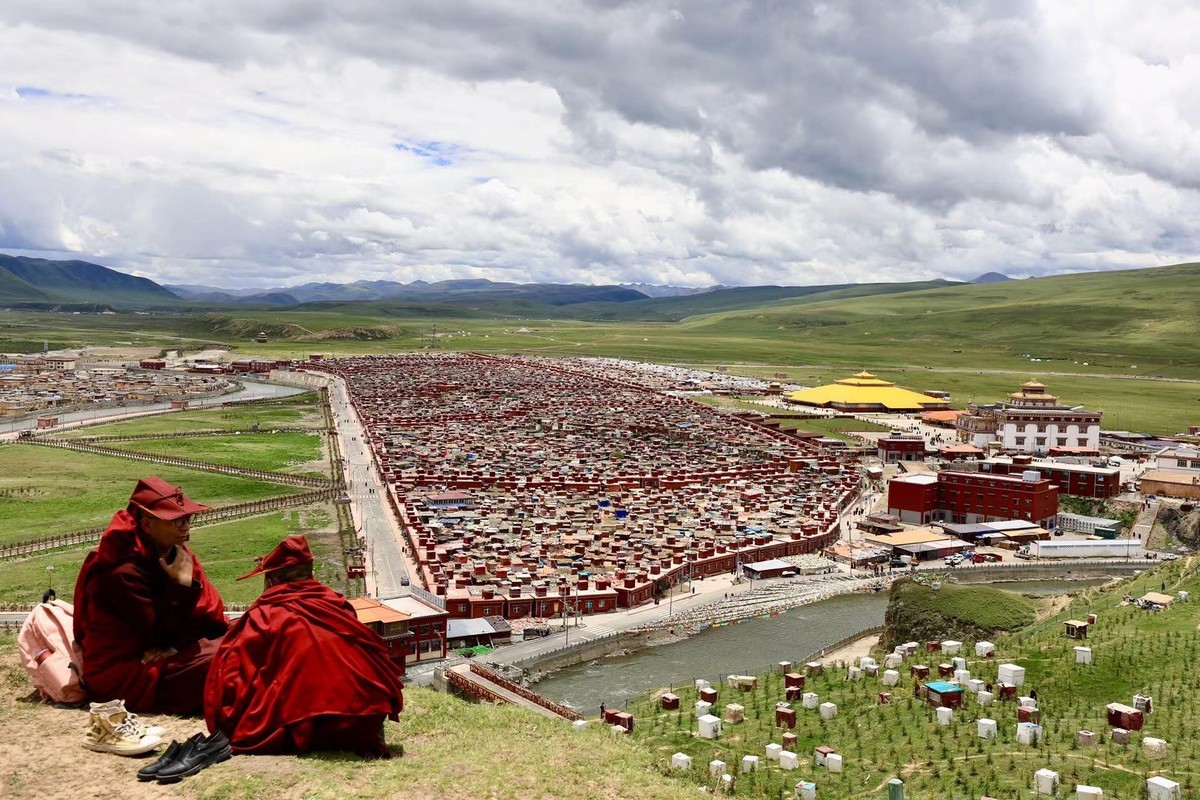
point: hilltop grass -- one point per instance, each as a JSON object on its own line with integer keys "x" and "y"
{"x": 450, "y": 748}
{"x": 1133, "y": 650}
{"x": 298, "y": 411}
{"x": 44, "y": 490}
{"x": 271, "y": 452}
{"x": 226, "y": 550}
{"x": 834, "y": 426}
{"x": 976, "y": 606}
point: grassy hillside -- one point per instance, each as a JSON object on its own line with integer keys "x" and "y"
{"x": 1142, "y": 321}
{"x": 966, "y": 613}
{"x": 44, "y": 491}
{"x": 444, "y": 748}
{"x": 84, "y": 282}
{"x": 1134, "y": 652}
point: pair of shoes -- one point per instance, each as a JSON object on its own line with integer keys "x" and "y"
{"x": 150, "y": 771}
{"x": 194, "y": 755}
{"x": 112, "y": 729}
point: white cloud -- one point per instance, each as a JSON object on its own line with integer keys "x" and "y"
{"x": 260, "y": 144}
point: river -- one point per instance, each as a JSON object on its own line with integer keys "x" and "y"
{"x": 749, "y": 648}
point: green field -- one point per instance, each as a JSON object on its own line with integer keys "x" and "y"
{"x": 1134, "y": 651}
{"x": 301, "y": 411}
{"x": 226, "y": 550}
{"x": 45, "y": 490}
{"x": 835, "y": 427}
{"x": 917, "y": 612}
{"x": 299, "y": 453}
{"x": 977, "y": 342}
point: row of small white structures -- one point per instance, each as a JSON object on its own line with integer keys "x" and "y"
{"x": 805, "y": 790}
{"x": 1045, "y": 781}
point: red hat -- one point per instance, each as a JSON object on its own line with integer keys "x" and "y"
{"x": 160, "y": 499}
{"x": 291, "y": 552}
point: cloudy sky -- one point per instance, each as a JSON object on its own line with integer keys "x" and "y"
{"x": 269, "y": 143}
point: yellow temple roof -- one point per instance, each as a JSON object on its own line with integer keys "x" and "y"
{"x": 864, "y": 389}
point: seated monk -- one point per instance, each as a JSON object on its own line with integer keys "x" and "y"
{"x": 147, "y": 620}
{"x": 298, "y": 672}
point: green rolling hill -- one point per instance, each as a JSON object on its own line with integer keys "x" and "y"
{"x": 1140, "y": 321}
{"x": 43, "y": 282}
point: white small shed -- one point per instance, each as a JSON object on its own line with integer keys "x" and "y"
{"x": 710, "y": 727}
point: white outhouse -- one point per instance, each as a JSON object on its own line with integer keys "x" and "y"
{"x": 681, "y": 761}
{"x": 985, "y": 649}
{"x": 1154, "y": 748}
{"x": 1011, "y": 673}
{"x": 828, "y": 710}
{"x": 710, "y": 727}
{"x": 1083, "y": 655}
{"x": 1028, "y": 733}
{"x": 810, "y": 700}
{"x": 833, "y": 762}
{"x": 716, "y": 768}
{"x": 944, "y": 715}
{"x": 986, "y": 728}
{"x": 773, "y": 751}
{"x": 1045, "y": 781}
{"x": 749, "y": 763}
{"x": 788, "y": 760}
{"x": 1160, "y": 788}
{"x": 891, "y": 677}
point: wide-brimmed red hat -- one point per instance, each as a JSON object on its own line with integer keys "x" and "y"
{"x": 160, "y": 499}
{"x": 291, "y": 552}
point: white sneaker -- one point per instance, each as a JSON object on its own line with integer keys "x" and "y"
{"x": 112, "y": 729}
{"x": 114, "y": 706}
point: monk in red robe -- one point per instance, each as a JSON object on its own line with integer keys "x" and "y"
{"x": 298, "y": 672}
{"x": 147, "y": 620}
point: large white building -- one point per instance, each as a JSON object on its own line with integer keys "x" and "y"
{"x": 1185, "y": 457}
{"x": 1031, "y": 421}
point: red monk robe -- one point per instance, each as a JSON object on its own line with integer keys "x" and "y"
{"x": 298, "y": 672}
{"x": 126, "y": 605}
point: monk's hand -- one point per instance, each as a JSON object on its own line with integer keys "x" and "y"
{"x": 181, "y": 569}
{"x": 158, "y": 654}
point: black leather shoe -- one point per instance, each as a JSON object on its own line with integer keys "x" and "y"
{"x": 195, "y": 755}
{"x": 150, "y": 771}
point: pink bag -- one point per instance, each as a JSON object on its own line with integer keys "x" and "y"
{"x": 47, "y": 647}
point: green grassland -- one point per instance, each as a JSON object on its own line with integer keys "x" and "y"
{"x": 299, "y": 453}
{"x": 836, "y": 427}
{"x": 1134, "y": 651}
{"x": 45, "y": 490}
{"x": 302, "y": 411}
{"x": 918, "y": 613}
{"x": 977, "y": 340}
{"x": 226, "y": 550}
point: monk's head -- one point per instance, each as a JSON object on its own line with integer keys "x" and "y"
{"x": 291, "y": 560}
{"x": 296, "y": 572}
{"x": 162, "y": 512}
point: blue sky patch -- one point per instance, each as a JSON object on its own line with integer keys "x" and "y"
{"x": 440, "y": 154}
{"x": 38, "y": 93}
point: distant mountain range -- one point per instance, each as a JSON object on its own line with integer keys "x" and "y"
{"x": 47, "y": 284}
{"x": 991, "y": 277}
